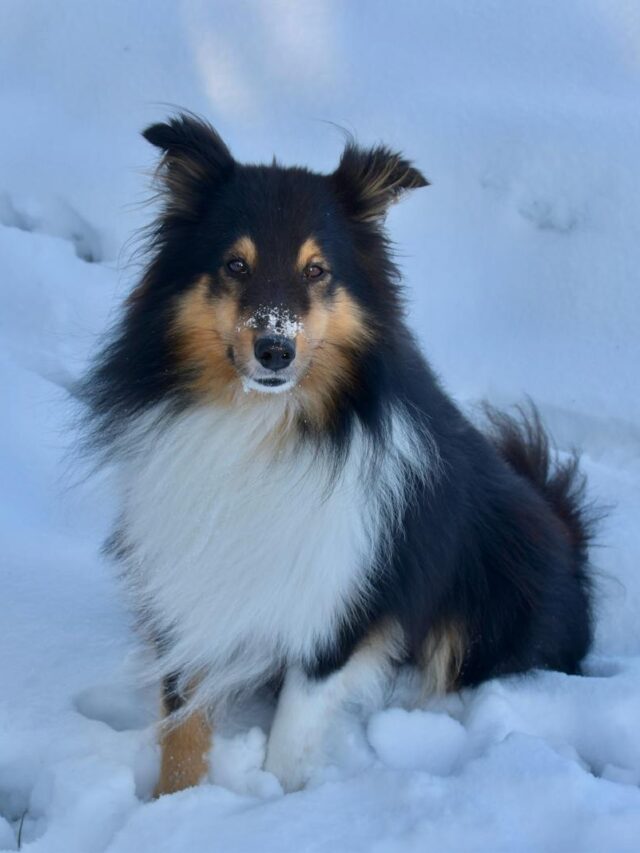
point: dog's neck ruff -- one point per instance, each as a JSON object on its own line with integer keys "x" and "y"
{"x": 246, "y": 548}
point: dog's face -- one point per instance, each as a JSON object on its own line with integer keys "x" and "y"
{"x": 271, "y": 311}
{"x": 274, "y": 286}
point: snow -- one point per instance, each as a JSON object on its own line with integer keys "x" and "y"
{"x": 521, "y": 263}
{"x": 417, "y": 740}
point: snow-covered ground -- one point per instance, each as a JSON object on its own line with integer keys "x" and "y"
{"x": 522, "y": 265}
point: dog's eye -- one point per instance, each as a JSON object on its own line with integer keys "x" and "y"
{"x": 313, "y": 271}
{"x": 237, "y": 266}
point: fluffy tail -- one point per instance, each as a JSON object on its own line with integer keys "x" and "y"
{"x": 524, "y": 444}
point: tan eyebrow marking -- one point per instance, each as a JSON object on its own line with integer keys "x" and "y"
{"x": 244, "y": 248}
{"x": 309, "y": 251}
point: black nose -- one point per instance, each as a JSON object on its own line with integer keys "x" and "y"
{"x": 274, "y": 352}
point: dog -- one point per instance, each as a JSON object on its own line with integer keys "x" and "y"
{"x": 300, "y": 500}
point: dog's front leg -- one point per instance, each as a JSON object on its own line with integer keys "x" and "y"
{"x": 308, "y": 706}
{"x": 184, "y": 744}
{"x": 305, "y": 708}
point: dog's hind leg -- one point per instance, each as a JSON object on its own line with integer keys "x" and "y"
{"x": 184, "y": 744}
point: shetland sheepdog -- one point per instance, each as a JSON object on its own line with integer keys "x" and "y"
{"x": 301, "y": 502}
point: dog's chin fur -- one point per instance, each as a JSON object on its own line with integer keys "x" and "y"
{"x": 250, "y": 384}
{"x": 355, "y": 521}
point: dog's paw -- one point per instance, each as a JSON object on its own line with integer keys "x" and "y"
{"x": 292, "y": 764}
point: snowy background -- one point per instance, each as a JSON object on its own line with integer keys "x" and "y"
{"x": 522, "y": 266}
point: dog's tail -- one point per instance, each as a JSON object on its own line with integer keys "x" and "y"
{"x": 524, "y": 444}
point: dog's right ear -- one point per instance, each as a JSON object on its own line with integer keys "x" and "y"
{"x": 195, "y": 162}
{"x": 369, "y": 180}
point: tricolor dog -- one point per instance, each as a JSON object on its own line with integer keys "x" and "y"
{"x": 301, "y": 502}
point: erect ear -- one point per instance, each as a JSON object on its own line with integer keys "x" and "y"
{"x": 369, "y": 180}
{"x": 195, "y": 161}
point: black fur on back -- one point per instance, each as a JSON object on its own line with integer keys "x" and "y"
{"x": 496, "y": 550}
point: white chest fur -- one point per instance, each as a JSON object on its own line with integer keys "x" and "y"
{"x": 249, "y": 556}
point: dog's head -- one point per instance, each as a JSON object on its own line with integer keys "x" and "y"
{"x": 278, "y": 279}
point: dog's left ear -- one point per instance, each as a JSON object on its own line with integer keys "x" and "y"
{"x": 194, "y": 164}
{"x": 368, "y": 181}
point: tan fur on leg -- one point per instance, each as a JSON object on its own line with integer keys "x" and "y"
{"x": 184, "y": 754}
{"x": 443, "y": 656}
